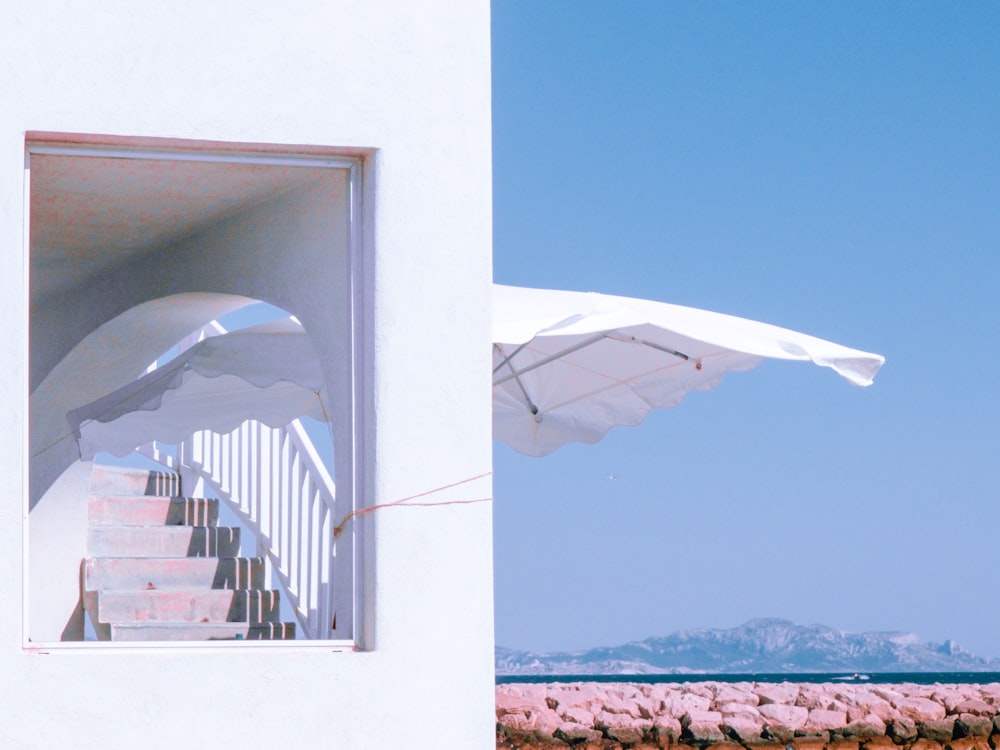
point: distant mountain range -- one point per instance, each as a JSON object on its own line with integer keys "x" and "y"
{"x": 759, "y": 646}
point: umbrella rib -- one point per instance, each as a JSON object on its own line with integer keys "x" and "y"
{"x": 626, "y": 339}
{"x": 545, "y": 360}
{"x": 531, "y": 404}
{"x": 507, "y": 359}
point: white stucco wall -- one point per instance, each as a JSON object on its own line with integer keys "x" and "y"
{"x": 412, "y": 81}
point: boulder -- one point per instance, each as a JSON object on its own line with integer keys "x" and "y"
{"x": 615, "y": 704}
{"x": 870, "y": 726}
{"x": 738, "y": 692}
{"x": 821, "y": 719}
{"x": 703, "y": 733}
{"x": 696, "y": 716}
{"x": 545, "y": 721}
{"x": 628, "y": 736}
{"x": 901, "y": 730}
{"x": 738, "y": 709}
{"x": 743, "y": 729}
{"x": 605, "y": 720}
{"x": 973, "y": 725}
{"x": 689, "y": 701}
{"x": 815, "y": 696}
{"x": 976, "y": 706}
{"x": 941, "y": 730}
{"x": 509, "y": 701}
{"x": 665, "y": 732}
{"x": 778, "y": 733}
{"x": 781, "y": 693}
{"x": 920, "y": 709}
{"x": 586, "y": 694}
{"x": 577, "y": 715}
{"x": 793, "y": 717}
{"x": 861, "y": 703}
{"x": 574, "y": 734}
{"x": 991, "y": 693}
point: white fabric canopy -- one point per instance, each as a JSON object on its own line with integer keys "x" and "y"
{"x": 569, "y": 366}
{"x": 268, "y": 372}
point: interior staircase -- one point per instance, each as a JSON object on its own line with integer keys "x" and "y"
{"x": 159, "y": 568}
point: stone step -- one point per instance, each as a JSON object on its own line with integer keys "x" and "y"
{"x": 214, "y": 605}
{"x": 139, "y": 573}
{"x": 163, "y": 541}
{"x": 121, "y": 480}
{"x": 125, "y": 510}
{"x": 203, "y": 631}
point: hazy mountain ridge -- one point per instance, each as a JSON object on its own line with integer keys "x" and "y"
{"x": 758, "y": 646}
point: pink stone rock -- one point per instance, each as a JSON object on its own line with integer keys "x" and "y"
{"x": 920, "y": 709}
{"x": 937, "y": 730}
{"x": 743, "y": 728}
{"x": 868, "y": 726}
{"x": 615, "y": 704}
{"x": 586, "y": 695}
{"x": 863, "y": 704}
{"x": 577, "y": 715}
{"x": 792, "y": 717}
{"x": 822, "y": 719}
{"x": 574, "y": 734}
{"x": 704, "y": 732}
{"x": 901, "y": 730}
{"x": 738, "y": 709}
{"x": 695, "y": 716}
{"x": 607, "y": 719}
{"x": 516, "y": 720}
{"x": 973, "y": 725}
{"x": 735, "y": 693}
{"x": 690, "y": 701}
{"x": 508, "y": 702}
{"x": 887, "y": 694}
{"x": 668, "y": 726}
{"x": 628, "y": 736}
{"x": 782, "y": 693}
{"x": 546, "y": 722}
{"x": 701, "y": 689}
{"x": 975, "y": 706}
{"x": 814, "y": 696}
{"x": 990, "y": 693}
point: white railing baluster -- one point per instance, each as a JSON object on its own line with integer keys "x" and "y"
{"x": 273, "y": 479}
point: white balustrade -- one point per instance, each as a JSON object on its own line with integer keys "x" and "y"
{"x": 276, "y": 483}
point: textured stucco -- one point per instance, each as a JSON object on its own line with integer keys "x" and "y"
{"x": 407, "y": 86}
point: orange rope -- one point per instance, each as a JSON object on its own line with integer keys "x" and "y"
{"x": 405, "y": 502}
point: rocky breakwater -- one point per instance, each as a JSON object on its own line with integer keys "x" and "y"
{"x": 748, "y": 716}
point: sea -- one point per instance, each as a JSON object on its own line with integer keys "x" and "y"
{"x": 918, "y": 678}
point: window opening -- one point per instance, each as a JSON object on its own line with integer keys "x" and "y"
{"x": 123, "y": 244}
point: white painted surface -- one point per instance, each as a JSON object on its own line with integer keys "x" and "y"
{"x": 412, "y": 81}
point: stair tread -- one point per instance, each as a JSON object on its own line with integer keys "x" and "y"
{"x": 188, "y": 605}
{"x": 172, "y": 573}
{"x": 124, "y": 480}
{"x": 143, "y": 510}
{"x": 175, "y": 631}
{"x": 160, "y": 541}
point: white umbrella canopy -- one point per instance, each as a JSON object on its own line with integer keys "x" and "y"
{"x": 569, "y": 366}
{"x": 267, "y": 372}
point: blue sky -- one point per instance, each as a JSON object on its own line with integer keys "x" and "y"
{"x": 832, "y": 168}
